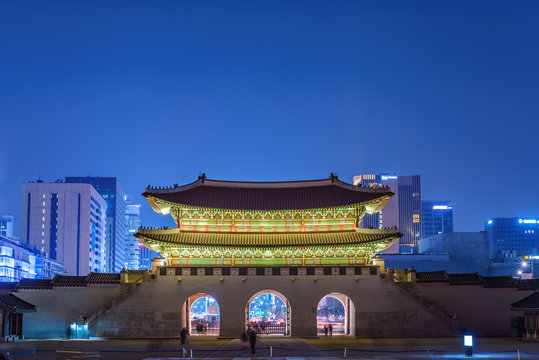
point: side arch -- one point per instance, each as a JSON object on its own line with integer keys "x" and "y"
{"x": 335, "y": 315}
{"x": 201, "y": 315}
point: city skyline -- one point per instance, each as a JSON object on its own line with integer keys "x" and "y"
{"x": 372, "y": 91}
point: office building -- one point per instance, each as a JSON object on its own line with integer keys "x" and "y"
{"x": 436, "y": 218}
{"x": 132, "y": 223}
{"x": 146, "y": 256}
{"x": 17, "y": 262}
{"x": 6, "y": 225}
{"x": 403, "y": 210}
{"x": 512, "y": 237}
{"x": 47, "y": 268}
{"x": 111, "y": 190}
{"x": 66, "y": 223}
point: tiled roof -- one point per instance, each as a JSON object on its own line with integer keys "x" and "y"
{"x": 68, "y": 281}
{"x": 431, "y": 276}
{"x": 529, "y": 302}
{"x": 174, "y": 236}
{"x": 499, "y": 281}
{"x": 6, "y": 287}
{"x": 312, "y": 194}
{"x": 35, "y": 284}
{"x": 465, "y": 279}
{"x": 15, "y": 303}
{"x": 102, "y": 278}
{"x": 528, "y": 284}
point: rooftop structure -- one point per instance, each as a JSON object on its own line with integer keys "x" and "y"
{"x": 6, "y": 225}
{"x": 273, "y": 223}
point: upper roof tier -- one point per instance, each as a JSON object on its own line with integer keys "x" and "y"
{"x": 286, "y": 195}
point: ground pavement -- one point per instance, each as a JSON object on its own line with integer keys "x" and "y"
{"x": 281, "y": 348}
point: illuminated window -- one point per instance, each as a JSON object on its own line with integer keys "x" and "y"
{"x": 416, "y": 218}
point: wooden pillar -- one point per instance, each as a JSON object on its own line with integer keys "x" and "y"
{"x": 20, "y": 326}
{"x": 9, "y": 324}
{"x": 3, "y": 323}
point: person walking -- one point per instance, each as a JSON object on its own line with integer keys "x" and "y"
{"x": 325, "y": 330}
{"x": 244, "y": 339}
{"x": 252, "y": 341}
{"x": 330, "y": 328}
{"x": 183, "y": 335}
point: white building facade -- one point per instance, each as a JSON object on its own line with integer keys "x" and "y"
{"x": 67, "y": 222}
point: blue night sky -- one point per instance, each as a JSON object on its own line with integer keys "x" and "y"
{"x": 158, "y": 92}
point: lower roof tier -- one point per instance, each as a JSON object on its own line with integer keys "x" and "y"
{"x": 264, "y": 240}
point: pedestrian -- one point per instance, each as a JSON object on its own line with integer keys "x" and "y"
{"x": 183, "y": 335}
{"x": 325, "y": 330}
{"x": 244, "y": 339}
{"x": 252, "y": 341}
{"x": 330, "y": 328}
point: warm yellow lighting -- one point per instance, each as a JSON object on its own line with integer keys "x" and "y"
{"x": 165, "y": 211}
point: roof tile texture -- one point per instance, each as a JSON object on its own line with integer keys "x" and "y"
{"x": 267, "y": 196}
{"x": 267, "y": 239}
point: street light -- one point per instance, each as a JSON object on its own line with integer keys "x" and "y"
{"x": 468, "y": 345}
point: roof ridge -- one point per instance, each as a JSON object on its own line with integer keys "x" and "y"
{"x": 149, "y": 231}
{"x": 203, "y": 181}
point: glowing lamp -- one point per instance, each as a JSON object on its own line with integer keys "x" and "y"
{"x": 468, "y": 345}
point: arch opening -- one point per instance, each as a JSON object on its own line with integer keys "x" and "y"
{"x": 268, "y": 313}
{"x": 335, "y": 315}
{"x": 202, "y": 315}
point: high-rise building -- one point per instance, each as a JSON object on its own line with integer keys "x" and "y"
{"x": 403, "y": 210}
{"x": 111, "y": 190}
{"x": 132, "y": 223}
{"x": 512, "y": 237}
{"x": 66, "y": 223}
{"x": 6, "y": 225}
{"x": 436, "y": 218}
{"x": 146, "y": 256}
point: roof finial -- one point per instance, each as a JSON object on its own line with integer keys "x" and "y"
{"x": 333, "y": 177}
{"x": 202, "y": 177}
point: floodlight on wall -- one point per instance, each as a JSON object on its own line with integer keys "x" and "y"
{"x": 468, "y": 345}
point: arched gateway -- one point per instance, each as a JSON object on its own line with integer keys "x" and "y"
{"x": 201, "y": 315}
{"x": 268, "y": 313}
{"x": 335, "y": 315}
{"x": 249, "y": 230}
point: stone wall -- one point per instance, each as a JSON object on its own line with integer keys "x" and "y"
{"x": 481, "y": 311}
{"x": 382, "y": 309}
{"x": 59, "y": 307}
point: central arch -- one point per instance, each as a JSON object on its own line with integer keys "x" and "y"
{"x": 201, "y": 315}
{"x": 268, "y": 312}
{"x": 337, "y": 312}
